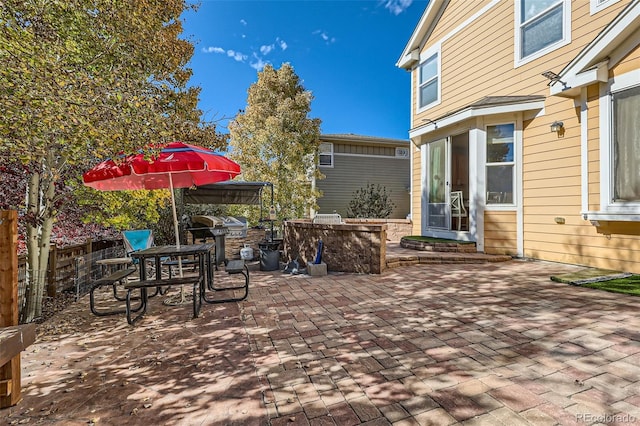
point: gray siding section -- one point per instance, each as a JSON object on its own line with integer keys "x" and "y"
{"x": 351, "y": 173}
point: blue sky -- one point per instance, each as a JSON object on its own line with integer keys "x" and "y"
{"x": 343, "y": 51}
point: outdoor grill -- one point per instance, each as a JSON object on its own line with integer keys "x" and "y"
{"x": 236, "y": 227}
{"x": 200, "y": 231}
{"x": 206, "y": 227}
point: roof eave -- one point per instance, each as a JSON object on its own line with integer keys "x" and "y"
{"x": 475, "y": 111}
{"x": 411, "y": 53}
{"x": 574, "y": 83}
{"x": 591, "y": 65}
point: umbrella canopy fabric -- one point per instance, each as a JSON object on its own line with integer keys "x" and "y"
{"x": 179, "y": 165}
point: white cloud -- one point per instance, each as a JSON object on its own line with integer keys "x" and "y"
{"x": 258, "y": 63}
{"x": 266, "y": 49}
{"x": 325, "y": 36}
{"x": 236, "y": 55}
{"x": 397, "y": 6}
{"x": 283, "y": 44}
{"x": 213, "y": 49}
{"x": 243, "y": 22}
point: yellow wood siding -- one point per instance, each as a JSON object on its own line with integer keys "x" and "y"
{"x": 630, "y": 63}
{"x": 478, "y": 61}
{"x": 500, "y": 233}
{"x": 487, "y": 69}
{"x": 593, "y": 137}
{"x": 416, "y": 188}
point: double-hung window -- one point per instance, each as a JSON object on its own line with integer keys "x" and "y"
{"x": 541, "y": 26}
{"x": 625, "y": 156}
{"x": 500, "y": 164}
{"x": 428, "y": 74}
{"x": 326, "y": 154}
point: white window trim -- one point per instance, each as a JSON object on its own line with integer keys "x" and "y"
{"x": 517, "y": 139}
{"x": 326, "y": 153}
{"x": 435, "y": 50}
{"x": 598, "y": 5}
{"x": 566, "y": 35}
{"x": 608, "y": 209}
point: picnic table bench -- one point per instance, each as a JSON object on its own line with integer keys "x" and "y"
{"x": 232, "y": 267}
{"x": 113, "y": 279}
{"x": 143, "y": 285}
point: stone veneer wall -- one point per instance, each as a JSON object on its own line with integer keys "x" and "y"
{"x": 396, "y": 228}
{"x": 348, "y": 247}
{"x": 232, "y": 246}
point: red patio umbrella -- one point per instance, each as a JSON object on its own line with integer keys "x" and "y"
{"x": 179, "y": 165}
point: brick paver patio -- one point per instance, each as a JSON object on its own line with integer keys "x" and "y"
{"x": 472, "y": 344}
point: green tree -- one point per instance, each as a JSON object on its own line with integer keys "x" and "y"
{"x": 274, "y": 140}
{"x": 83, "y": 80}
{"x": 371, "y": 201}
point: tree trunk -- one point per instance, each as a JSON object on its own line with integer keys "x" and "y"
{"x": 45, "y": 245}
{"x": 33, "y": 189}
{"x": 38, "y": 242}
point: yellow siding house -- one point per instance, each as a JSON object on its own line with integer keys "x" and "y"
{"x": 529, "y": 111}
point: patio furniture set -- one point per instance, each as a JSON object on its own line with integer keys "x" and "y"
{"x": 151, "y": 263}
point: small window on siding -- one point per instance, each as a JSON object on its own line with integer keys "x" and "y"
{"x": 543, "y": 26}
{"x": 428, "y": 87}
{"x": 402, "y": 152}
{"x": 326, "y": 154}
{"x": 500, "y": 164}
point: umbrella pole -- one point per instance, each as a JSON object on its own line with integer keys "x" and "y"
{"x": 176, "y": 231}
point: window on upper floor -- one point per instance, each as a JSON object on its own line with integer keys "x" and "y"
{"x": 598, "y": 5}
{"x": 625, "y": 158}
{"x": 428, "y": 90}
{"x": 500, "y": 164}
{"x": 326, "y": 154}
{"x": 542, "y": 26}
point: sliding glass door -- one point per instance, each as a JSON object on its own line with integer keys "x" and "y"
{"x": 437, "y": 212}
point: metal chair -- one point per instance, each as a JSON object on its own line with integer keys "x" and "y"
{"x": 457, "y": 207}
{"x": 137, "y": 239}
{"x": 140, "y": 239}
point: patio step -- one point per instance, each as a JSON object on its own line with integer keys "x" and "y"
{"x": 399, "y": 254}
{"x": 448, "y": 247}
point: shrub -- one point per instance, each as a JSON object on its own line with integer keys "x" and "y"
{"x": 371, "y": 201}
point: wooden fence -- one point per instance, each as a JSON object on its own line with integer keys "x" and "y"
{"x": 61, "y": 271}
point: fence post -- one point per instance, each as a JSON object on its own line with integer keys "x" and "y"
{"x": 9, "y": 372}
{"x": 52, "y": 271}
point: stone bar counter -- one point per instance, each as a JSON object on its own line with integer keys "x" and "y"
{"x": 348, "y": 247}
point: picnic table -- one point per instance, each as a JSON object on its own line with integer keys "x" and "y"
{"x": 156, "y": 254}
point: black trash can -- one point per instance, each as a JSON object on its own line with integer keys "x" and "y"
{"x": 269, "y": 256}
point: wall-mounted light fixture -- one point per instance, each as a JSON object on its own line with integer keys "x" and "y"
{"x": 557, "y": 126}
